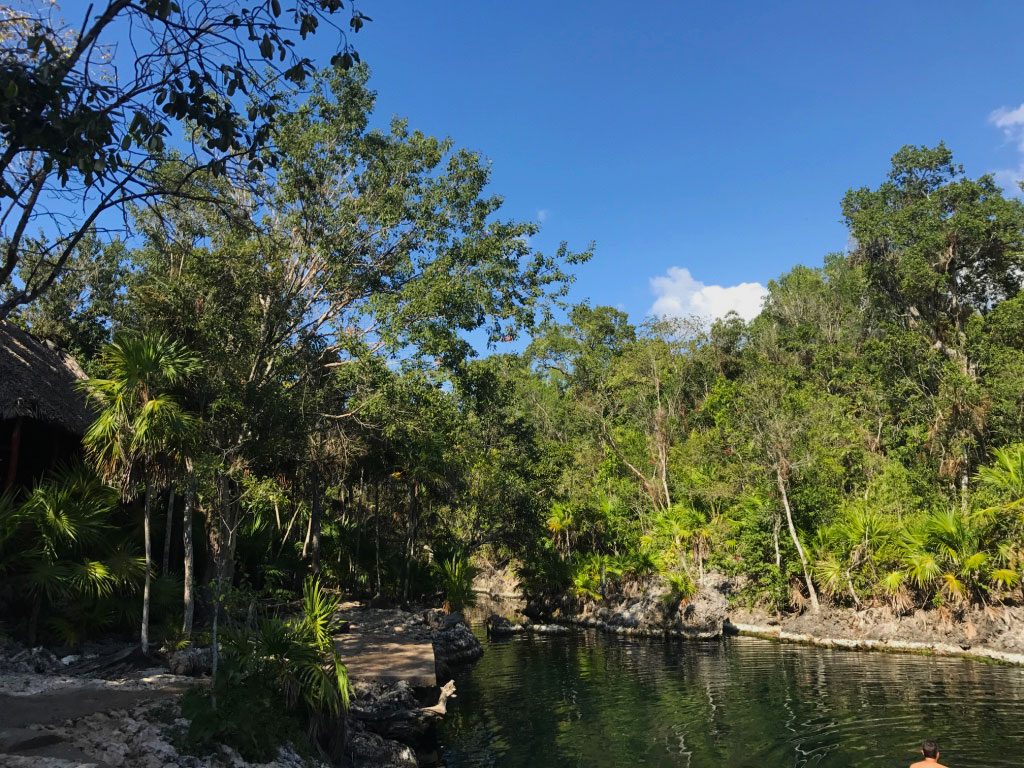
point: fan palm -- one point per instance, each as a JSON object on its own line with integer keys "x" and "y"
{"x": 455, "y": 576}
{"x": 561, "y": 523}
{"x": 55, "y": 547}
{"x": 1005, "y": 477}
{"x": 141, "y": 431}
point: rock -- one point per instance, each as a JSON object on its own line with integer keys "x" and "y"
{"x": 550, "y": 629}
{"x": 454, "y": 644}
{"x": 497, "y": 580}
{"x": 367, "y": 749}
{"x": 643, "y": 607}
{"x": 193, "y": 661}
{"x": 499, "y": 626}
{"x": 704, "y": 614}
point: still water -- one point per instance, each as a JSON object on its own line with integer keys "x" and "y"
{"x": 592, "y": 700}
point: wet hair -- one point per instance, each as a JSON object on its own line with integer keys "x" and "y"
{"x": 930, "y": 748}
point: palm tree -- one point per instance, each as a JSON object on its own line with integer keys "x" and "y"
{"x": 60, "y": 553}
{"x": 142, "y": 432}
{"x": 1005, "y": 478}
{"x": 560, "y": 524}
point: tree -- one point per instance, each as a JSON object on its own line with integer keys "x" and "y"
{"x": 141, "y": 431}
{"x": 939, "y": 250}
{"x": 79, "y": 310}
{"x": 87, "y": 114}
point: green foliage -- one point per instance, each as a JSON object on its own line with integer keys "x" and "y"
{"x": 62, "y": 559}
{"x": 455, "y": 578}
{"x": 279, "y": 680}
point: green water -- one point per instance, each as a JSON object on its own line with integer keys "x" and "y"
{"x": 593, "y": 700}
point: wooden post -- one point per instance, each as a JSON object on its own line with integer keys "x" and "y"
{"x": 12, "y": 468}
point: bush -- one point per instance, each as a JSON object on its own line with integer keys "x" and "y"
{"x": 456, "y": 576}
{"x": 65, "y": 566}
{"x": 279, "y": 682}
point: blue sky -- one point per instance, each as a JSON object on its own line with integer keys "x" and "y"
{"x": 713, "y": 137}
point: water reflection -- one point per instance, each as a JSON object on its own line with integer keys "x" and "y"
{"x": 594, "y": 700}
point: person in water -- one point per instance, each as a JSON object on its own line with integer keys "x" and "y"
{"x": 930, "y": 750}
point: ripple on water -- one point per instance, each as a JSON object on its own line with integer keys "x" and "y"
{"x": 593, "y": 700}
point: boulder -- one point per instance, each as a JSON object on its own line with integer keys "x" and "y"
{"x": 454, "y": 644}
{"x": 193, "y": 661}
{"x": 499, "y": 626}
{"x": 366, "y": 749}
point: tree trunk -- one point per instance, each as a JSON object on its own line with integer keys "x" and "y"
{"x": 796, "y": 541}
{"x": 315, "y": 510}
{"x": 166, "y": 565}
{"x": 189, "y": 558}
{"x": 410, "y": 545}
{"x": 776, "y": 526}
{"x": 146, "y": 514}
{"x": 376, "y": 534}
{"x": 15, "y": 451}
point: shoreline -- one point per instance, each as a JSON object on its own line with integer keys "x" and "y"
{"x": 973, "y": 653}
{"x": 778, "y": 634}
{"x": 990, "y": 633}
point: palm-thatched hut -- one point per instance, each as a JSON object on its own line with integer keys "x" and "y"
{"x": 43, "y": 415}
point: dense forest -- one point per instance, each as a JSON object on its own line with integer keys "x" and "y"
{"x": 293, "y": 384}
{"x": 307, "y": 375}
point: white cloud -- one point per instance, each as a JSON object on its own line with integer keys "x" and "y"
{"x": 1010, "y": 120}
{"x": 542, "y": 215}
{"x": 679, "y": 294}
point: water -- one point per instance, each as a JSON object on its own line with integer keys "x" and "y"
{"x": 594, "y": 700}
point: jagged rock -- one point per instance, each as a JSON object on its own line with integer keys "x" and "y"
{"x": 379, "y": 701}
{"x": 499, "y": 626}
{"x": 645, "y": 607}
{"x": 497, "y": 581}
{"x": 16, "y": 658}
{"x": 370, "y": 750}
{"x": 705, "y": 613}
{"x": 193, "y": 661}
{"x": 454, "y": 644}
{"x": 391, "y": 711}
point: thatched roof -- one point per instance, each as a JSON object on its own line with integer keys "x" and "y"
{"x": 38, "y": 380}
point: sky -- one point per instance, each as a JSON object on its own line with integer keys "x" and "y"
{"x": 704, "y": 147}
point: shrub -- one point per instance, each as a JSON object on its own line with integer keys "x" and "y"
{"x": 455, "y": 576}
{"x": 62, "y": 558}
{"x": 281, "y": 681}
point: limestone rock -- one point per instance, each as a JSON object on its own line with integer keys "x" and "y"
{"x": 454, "y": 644}
{"x": 370, "y": 750}
{"x": 193, "y": 661}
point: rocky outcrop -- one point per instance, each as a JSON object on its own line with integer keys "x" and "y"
{"x": 193, "y": 661}
{"x": 993, "y": 632}
{"x": 370, "y": 750}
{"x": 497, "y": 580}
{"x": 645, "y": 607}
{"x": 454, "y": 642}
{"x": 390, "y": 711}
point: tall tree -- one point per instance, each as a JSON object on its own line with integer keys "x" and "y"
{"x": 88, "y": 112}
{"x": 939, "y": 250}
{"x": 141, "y": 430}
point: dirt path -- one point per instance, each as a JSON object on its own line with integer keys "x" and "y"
{"x": 18, "y": 714}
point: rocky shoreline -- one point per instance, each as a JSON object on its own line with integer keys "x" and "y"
{"x": 136, "y": 721}
{"x": 994, "y": 633}
{"x": 650, "y": 609}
